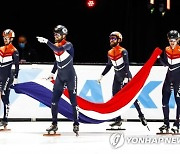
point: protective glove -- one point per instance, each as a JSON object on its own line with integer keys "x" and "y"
{"x": 50, "y": 77}
{"x": 99, "y": 80}
{"x": 15, "y": 81}
{"x": 125, "y": 81}
{"x": 42, "y": 39}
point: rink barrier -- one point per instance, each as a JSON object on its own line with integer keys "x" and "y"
{"x": 88, "y": 73}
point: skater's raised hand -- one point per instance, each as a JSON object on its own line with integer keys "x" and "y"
{"x": 42, "y": 39}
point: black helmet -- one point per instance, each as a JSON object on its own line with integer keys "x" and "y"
{"x": 173, "y": 34}
{"x": 62, "y": 30}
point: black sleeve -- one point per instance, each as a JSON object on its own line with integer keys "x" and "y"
{"x": 126, "y": 61}
{"x": 163, "y": 59}
{"x": 16, "y": 63}
{"x": 107, "y": 68}
{"x": 54, "y": 68}
{"x": 66, "y": 46}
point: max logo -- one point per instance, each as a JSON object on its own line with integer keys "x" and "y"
{"x": 92, "y": 91}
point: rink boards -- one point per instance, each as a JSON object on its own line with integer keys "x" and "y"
{"x": 23, "y": 106}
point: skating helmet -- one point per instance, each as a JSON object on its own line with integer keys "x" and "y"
{"x": 117, "y": 34}
{"x": 60, "y": 29}
{"x": 8, "y": 33}
{"x": 173, "y": 34}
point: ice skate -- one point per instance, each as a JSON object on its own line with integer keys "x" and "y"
{"x": 164, "y": 130}
{"x": 175, "y": 130}
{"x": 4, "y": 124}
{"x": 143, "y": 121}
{"x": 52, "y": 128}
{"x": 76, "y": 129}
{"x": 116, "y": 125}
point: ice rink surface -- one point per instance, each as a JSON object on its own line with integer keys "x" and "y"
{"x": 27, "y": 138}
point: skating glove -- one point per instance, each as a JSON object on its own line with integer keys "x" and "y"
{"x": 15, "y": 81}
{"x": 99, "y": 80}
{"x": 50, "y": 77}
{"x": 125, "y": 81}
{"x": 42, "y": 39}
{"x": 162, "y": 61}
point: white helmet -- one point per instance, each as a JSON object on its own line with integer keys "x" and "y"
{"x": 8, "y": 33}
{"x": 117, "y": 34}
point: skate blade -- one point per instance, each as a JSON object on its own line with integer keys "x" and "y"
{"x": 175, "y": 133}
{"x": 77, "y": 134}
{"x": 163, "y": 133}
{"x": 115, "y": 129}
{"x": 148, "y": 127}
{"x": 5, "y": 129}
{"x": 51, "y": 134}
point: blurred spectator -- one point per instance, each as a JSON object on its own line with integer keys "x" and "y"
{"x": 26, "y": 52}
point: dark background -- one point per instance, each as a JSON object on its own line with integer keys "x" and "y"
{"x": 89, "y": 29}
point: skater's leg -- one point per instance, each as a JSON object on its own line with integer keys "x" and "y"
{"x": 177, "y": 99}
{"x": 57, "y": 92}
{"x": 117, "y": 85}
{"x": 166, "y": 92}
{"x": 140, "y": 114}
{"x": 72, "y": 89}
{"x": 176, "y": 123}
{"x": 5, "y": 100}
{"x": 74, "y": 107}
{"x": 136, "y": 104}
{"x": 54, "y": 105}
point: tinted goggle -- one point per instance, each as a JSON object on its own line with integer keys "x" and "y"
{"x": 6, "y": 38}
{"x": 113, "y": 38}
{"x": 57, "y": 35}
{"x": 172, "y": 40}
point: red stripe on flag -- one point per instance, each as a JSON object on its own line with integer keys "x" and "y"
{"x": 125, "y": 95}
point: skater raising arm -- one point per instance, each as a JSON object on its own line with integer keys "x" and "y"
{"x": 172, "y": 81}
{"x": 9, "y": 56}
{"x": 118, "y": 58}
{"x": 66, "y": 75}
{"x": 67, "y": 46}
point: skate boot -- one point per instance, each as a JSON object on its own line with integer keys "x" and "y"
{"x": 116, "y": 123}
{"x": 53, "y": 128}
{"x": 164, "y": 128}
{"x": 175, "y": 129}
{"x": 3, "y": 124}
{"x": 143, "y": 121}
{"x": 76, "y": 129}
